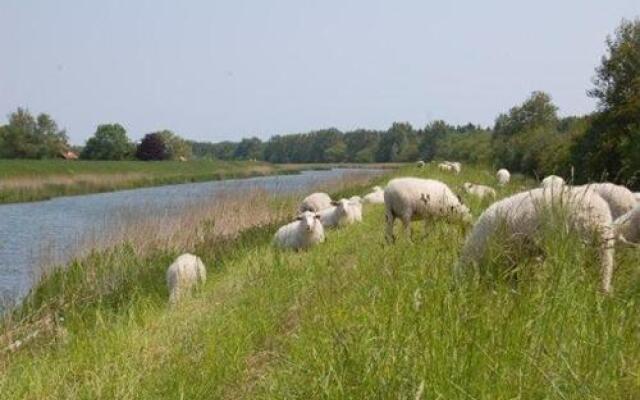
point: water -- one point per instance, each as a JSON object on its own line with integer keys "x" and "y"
{"x": 34, "y": 235}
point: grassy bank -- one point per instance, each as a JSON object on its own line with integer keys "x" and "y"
{"x": 31, "y": 180}
{"x": 353, "y": 318}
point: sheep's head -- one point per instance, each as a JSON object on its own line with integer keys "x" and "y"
{"x": 308, "y": 220}
{"x": 341, "y": 205}
{"x": 467, "y": 186}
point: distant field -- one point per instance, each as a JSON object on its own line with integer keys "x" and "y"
{"x": 30, "y": 180}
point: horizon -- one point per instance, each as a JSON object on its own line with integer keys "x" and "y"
{"x": 218, "y": 72}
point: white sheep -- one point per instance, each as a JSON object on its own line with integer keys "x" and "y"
{"x": 620, "y": 199}
{"x": 420, "y": 164}
{"x": 412, "y": 198}
{"x": 342, "y": 212}
{"x": 305, "y": 232}
{"x": 552, "y": 181}
{"x": 315, "y": 202}
{"x": 186, "y": 272}
{"x": 446, "y": 167}
{"x": 503, "y": 176}
{"x": 457, "y": 167}
{"x": 375, "y": 197}
{"x": 355, "y": 203}
{"x": 522, "y": 216}
{"x": 480, "y": 191}
{"x": 637, "y": 196}
{"x": 627, "y": 226}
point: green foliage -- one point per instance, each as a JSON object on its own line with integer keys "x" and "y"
{"x": 610, "y": 146}
{"x": 110, "y": 142}
{"x": 248, "y": 149}
{"x": 153, "y": 147}
{"x": 177, "y": 148}
{"x": 28, "y": 137}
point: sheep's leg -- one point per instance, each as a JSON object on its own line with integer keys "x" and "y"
{"x": 606, "y": 261}
{"x": 389, "y": 231}
{"x": 427, "y": 222}
{"x": 406, "y": 223}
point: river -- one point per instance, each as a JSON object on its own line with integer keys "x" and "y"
{"x": 36, "y": 235}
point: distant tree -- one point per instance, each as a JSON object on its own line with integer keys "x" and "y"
{"x": 153, "y": 148}
{"x": 397, "y": 144}
{"x": 177, "y": 147}
{"x": 537, "y": 111}
{"x": 611, "y": 146}
{"x": 28, "y": 137}
{"x": 248, "y": 149}
{"x": 109, "y": 142}
{"x": 431, "y": 136}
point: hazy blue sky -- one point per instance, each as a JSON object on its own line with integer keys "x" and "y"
{"x": 216, "y": 70}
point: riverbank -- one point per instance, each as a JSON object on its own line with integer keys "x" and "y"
{"x": 32, "y": 180}
{"x": 352, "y": 318}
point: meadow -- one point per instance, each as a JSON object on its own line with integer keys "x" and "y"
{"x": 31, "y": 180}
{"x": 354, "y": 318}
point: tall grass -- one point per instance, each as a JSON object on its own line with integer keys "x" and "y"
{"x": 352, "y": 318}
{"x": 30, "y": 180}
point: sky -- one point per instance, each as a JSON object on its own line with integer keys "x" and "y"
{"x": 223, "y": 70}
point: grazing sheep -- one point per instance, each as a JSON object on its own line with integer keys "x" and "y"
{"x": 343, "y": 212}
{"x": 522, "y": 216}
{"x": 420, "y": 164}
{"x": 305, "y": 232}
{"x": 503, "y": 176}
{"x": 355, "y": 199}
{"x": 446, "y": 167}
{"x": 315, "y": 202}
{"x": 627, "y": 226}
{"x": 184, "y": 274}
{"x": 413, "y": 198}
{"x": 480, "y": 191}
{"x": 375, "y": 197}
{"x": 552, "y": 181}
{"x": 620, "y": 199}
{"x": 457, "y": 167}
{"x": 356, "y": 206}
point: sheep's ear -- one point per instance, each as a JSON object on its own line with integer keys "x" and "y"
{"x": 299, "y": 218}
{"x": 334, "y": 203}
{"x": 317, "y": 216}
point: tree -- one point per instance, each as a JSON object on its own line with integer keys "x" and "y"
{"x": 28, "y": 137}
{"x": 153, "y": 148}
{"x": 432, "y": 135}
{"x": 177, "y": 148}
{"x": 611, "y": 146}
{"x": 248, "y": 149}
{"x": 109, "y": 142}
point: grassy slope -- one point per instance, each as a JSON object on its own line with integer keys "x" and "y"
{"x": 353, "y": 318}
{"x": 29, "y": 180}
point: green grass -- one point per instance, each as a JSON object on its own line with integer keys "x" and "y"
{"x": 30, "y": 180}
{"x": 354, "y": 318}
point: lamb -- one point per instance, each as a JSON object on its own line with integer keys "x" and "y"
{"x": 413, "y": 198}
{"x": 552, "y": 181}
{"x": 627, "y": 227}
{"x": 342, "y": 212}
{"x": 375, "y": 197}
{"x": 480, "y": 191}
{"x": 620, "y": 199}
{"x": 315, "y": 202}
{"x": 304, "y": 233}
{"x": 186, "y": 272}
{"x": 420, "y": 164}
{"x": 503, "y": 176}
{"x": 457, "y": 167}
{"x": 522, "y": 216}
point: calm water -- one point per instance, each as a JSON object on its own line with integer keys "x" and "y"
{"x": 33, "y": 235}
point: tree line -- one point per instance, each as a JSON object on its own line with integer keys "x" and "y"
{"x": 26, "y": 136}
{"x": 530, "y": 137}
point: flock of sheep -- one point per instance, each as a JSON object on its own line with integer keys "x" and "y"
{"x": 603, "y": 212}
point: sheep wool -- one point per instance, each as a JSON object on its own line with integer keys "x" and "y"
{"x": 410, "y": 199}
{"x": 305, "y": 232}
{"x": 480, "y": 191}
{"x": 186, "y": 272}
{"x": 503, "y": 176}
{"x": 522, "y": 215}
{"x": 315, "y": 202}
